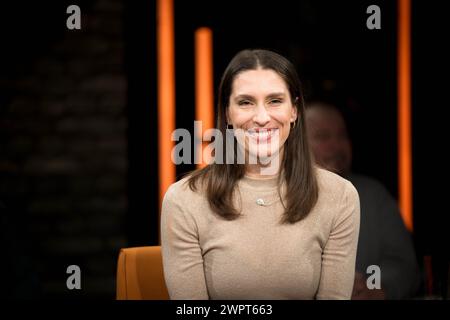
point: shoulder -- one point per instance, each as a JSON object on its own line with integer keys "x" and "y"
{"x": 338, "y": 205}
{"x": 338, "y": 198}
{"x": 179, "y": 191}
{"x": 178, "y": 188}
{"x": 181, "y": 196}
{"x": 334, "y": 185}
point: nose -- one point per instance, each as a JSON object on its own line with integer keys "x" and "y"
{"x": 261, "y": 117}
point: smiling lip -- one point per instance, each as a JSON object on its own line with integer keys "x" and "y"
{"x": 262, "y": 135}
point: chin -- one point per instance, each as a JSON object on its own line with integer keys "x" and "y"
{"x": 263, "y": 156}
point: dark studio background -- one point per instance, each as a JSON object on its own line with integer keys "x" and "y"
{"x": 78, "y": 119}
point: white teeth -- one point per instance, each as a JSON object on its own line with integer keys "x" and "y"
{"x": 261, "y": 133}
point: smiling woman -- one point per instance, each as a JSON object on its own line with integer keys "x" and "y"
{"x": 260, "y": 105}
{"x": 240, "y": 231}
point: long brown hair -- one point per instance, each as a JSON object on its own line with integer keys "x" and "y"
{"x": 219, "y": 180}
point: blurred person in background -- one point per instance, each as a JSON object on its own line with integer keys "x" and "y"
{"x": 383, "y": 239}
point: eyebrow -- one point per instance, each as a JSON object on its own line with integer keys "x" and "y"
{"x": 249, "y": 97}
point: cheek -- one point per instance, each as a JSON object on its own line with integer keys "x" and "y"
{"x": 286, "y": 131}
{"x": 283, "y": 119}
{"x": 282, "y": 116}
{"x": 238, "y": 117}
{"x": 231, "y": 113}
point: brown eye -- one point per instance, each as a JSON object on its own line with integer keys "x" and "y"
{"x": 276, "y": 101}
{"x": 244, "y": 103}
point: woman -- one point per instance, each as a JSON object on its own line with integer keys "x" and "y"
{"x": 272, "y": 228}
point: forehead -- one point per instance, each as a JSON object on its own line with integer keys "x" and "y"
{"x": 254, "y": 82}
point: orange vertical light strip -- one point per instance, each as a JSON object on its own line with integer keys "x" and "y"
{"x": 166, "y": 94}
{"x": 204, "y": 97}
{"x": 404, "y": 112}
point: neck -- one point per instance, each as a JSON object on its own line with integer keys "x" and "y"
{"x": 265, "y": 169}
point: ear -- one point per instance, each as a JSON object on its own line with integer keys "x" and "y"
{"x": 294, "y": 113}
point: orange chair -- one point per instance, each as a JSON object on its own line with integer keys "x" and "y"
{"x": 140, "y": 274}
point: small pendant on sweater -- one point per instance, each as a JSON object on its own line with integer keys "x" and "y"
{"x": 260, "y": 202}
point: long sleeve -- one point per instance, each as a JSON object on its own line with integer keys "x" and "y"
{"x": 339, "y": 254}
{"x": 181, "y": 252}
{"x": 255, "y": 256}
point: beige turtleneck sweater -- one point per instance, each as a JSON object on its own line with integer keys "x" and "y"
{"x": 256, "y": 257}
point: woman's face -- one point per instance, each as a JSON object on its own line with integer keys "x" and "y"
{"x": 261, "y": 112}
